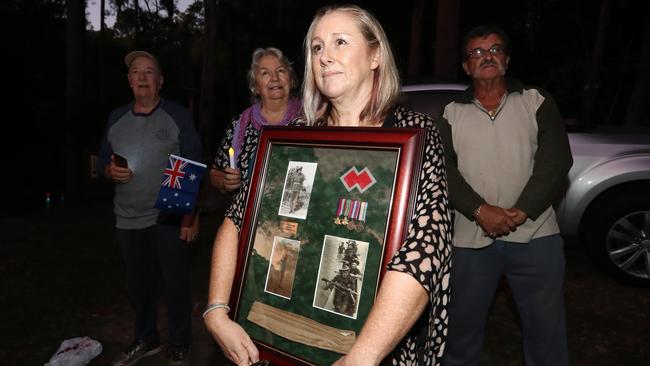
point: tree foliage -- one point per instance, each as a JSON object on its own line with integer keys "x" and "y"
{"x": 553, "y": 47}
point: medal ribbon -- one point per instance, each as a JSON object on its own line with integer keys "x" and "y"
{"x": 353, "y": 209}
{"x": 362, "y": 211}
{"x": 339, "y": 208}
{"x": 348, "y": 207}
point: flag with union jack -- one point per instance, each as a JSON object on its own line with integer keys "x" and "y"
{"x": 180, "y": 185}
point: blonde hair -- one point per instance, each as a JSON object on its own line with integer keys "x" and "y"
{"x": 258, "y": 53}
{"x": 386, "y": 83}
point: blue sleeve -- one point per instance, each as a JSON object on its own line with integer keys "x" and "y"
{"x": 189, "y": 137}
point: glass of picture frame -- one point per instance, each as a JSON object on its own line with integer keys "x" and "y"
{"x": 327, "y": 208}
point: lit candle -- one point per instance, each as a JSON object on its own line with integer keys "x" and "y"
{"x": 231, "y": 154}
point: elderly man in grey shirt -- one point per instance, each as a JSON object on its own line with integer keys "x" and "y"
{"x": 507, "y": 158}
{"x": 146, "y": 132}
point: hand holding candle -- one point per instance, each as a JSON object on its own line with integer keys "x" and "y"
{"x": 231, "y": 154}
{"x": 226, "y": 179}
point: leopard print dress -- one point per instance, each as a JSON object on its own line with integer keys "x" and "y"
{"x": 426, "y": 252}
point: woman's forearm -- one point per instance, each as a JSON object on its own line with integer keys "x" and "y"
{"x": 399, "y": 303}
{"x": 224, "y": 262}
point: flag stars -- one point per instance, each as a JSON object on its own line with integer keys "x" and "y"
{"x": 180, "y": 185}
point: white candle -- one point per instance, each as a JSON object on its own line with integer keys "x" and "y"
{"x": 231, "y": 154}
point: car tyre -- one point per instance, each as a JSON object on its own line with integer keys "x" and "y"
{"x": 617, "y": 235}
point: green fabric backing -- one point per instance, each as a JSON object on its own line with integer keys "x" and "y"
{"x": 326, "y": 191}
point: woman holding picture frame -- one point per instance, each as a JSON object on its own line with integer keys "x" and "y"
{"x": 351, "y": 80}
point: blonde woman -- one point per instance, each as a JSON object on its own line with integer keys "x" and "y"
{"x": 351, "y": 80}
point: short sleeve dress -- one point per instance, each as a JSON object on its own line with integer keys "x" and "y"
{"x": 426, "y": 252}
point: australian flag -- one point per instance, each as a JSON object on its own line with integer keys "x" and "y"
{"x": 180, "y": 185}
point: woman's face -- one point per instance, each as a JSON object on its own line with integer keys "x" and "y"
{"x": 342, "y": 62}
{"x": 272, "y": 79}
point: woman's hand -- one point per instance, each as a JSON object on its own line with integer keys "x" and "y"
{"x": 232, "y": 338}
{"x": 226, "y": 180}
{"x": 231, "y": 179}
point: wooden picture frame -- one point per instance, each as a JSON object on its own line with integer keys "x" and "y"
{"x": 327, "y": 209}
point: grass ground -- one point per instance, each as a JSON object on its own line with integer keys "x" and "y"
{"x": 62, "y": 277}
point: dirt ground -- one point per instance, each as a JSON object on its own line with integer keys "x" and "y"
{"x": 63, "y": 277}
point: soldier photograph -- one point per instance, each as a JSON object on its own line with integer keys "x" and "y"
{"x": 282, "y": 267}
{"x": 297, "y": 189}
{"x": 340, "y": 276}
{"x": 345, "y": 292}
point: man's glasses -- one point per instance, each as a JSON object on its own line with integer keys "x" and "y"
{"x": 482, "y": 52}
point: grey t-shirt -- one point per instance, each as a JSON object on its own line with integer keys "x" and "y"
{"x": 146, "y": 140}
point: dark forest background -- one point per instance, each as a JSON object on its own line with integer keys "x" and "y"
{"x": 62, "y": 77}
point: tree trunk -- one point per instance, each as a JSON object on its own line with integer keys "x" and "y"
{"x": 446, "y": 55}
{"x": 415, "y": 53}
{"x": 592, "y": 83}
{"x": 208, "y": 84}
{"x": 118, "y": 9}
{"x": 75, "y": 30}
{"x": 137, "y": 26}
{"x": 102, "y": 41}
{"x": 638, "y": 112}
{"x": 170, "y": 7}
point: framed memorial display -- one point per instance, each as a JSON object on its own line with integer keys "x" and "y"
{"x": 327, "y": 209}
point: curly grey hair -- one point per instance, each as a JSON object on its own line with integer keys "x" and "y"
{"x": 258, "y": 53}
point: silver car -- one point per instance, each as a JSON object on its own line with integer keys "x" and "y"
{"x": 607, "y": 201}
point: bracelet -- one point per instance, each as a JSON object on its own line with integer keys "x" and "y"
{"x": 217, "y": 305}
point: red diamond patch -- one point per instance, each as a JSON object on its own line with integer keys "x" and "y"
{"x": 361, "y": 180}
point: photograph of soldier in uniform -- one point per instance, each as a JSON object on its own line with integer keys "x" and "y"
{"x": 297, "y": 189}
{"x": 340, "y": 275}
{"x": 282, "y": 267}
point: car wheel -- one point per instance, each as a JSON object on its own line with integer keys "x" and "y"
{"x": 617, "y": 236}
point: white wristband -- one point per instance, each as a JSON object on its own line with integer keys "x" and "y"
{"x": 218, "y": 305}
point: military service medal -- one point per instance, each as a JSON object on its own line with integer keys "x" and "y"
{"x": 351, "y": 214}
{"x": 361, "y": 217}
{"x": 354, "y": 212}
{"x": 340, "y": 207}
